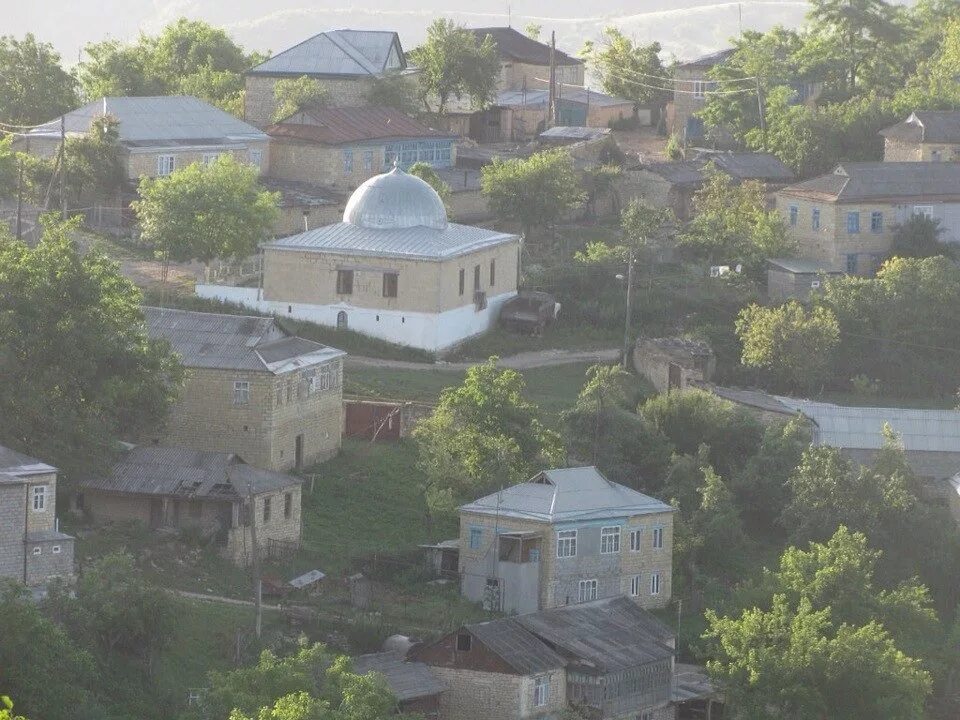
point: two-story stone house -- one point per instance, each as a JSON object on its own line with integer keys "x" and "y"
{"x": 32, "y": 548}
{"x": 846, "y": 218}
{"x": 925, "y": 136}
{"x": 158, "y": 135}
{"x": 525, "y": 62}
{"x": 692, "y": 82}
{"x": 395, "y": 269}
{"x": 563, "y": 537}
{"x": 345, "y": 62}
{"x": 342, "y": 147}
{"x": 252, "y": 389}
{"x": 215, "y": 493}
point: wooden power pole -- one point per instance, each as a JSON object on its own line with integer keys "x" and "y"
{"x": 552, "y": 120}
{"x": 63, "y": 166}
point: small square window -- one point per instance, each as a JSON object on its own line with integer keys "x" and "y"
{"x": 37, "y": 550}
{"x": 56, "y": 549}
{"x": 165, "y": 165}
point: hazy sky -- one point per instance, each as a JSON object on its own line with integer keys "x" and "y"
{"x": 684, "y": 27}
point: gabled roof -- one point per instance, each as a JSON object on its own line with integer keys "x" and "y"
{"x": 519, "y": 648}
{"x": 850, "y": 182}
{"x": 927, "y": 126}
{"x": 610, "y": 635}
{"x": 338, "y": 52}
{"x": 17, "y": 465}
{"x": 176, "y": 471}
{"x": 234, "y": 342}
{"x": 157, "y": 121}
{"x": 514, "y": 45}
{"x": 343, "y": 125}
{"x": 407, "y": 680}
{"x": 567, "y": 494}
{"x": 764, "y": 167}
{"x": 710, "y": 59}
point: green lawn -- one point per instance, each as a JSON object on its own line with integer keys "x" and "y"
{"x": 568, "y": 336}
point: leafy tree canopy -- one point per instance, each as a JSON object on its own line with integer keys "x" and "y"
{"x": 294, "y": 94}
{"x": 429, "y": 175}
{"x": 628, "y": 69}
{"x": 919, "y": 237}
{"x": 34, "y": 87}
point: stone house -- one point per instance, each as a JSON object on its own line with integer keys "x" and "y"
{"x": 252, "y": 389}
{"x": 605, "y": 659}
{"x": 691, "y": 83}
{"x": 342, "y": 147}
{"x": 674, "y": 363}
{"x": 925, "y": 136}
{"x": 395, "y": 268}
{"x": 159, "y": 134}
{"x": 795, "y": 278}
{"x": 563, "y": 537}
{"x": 525, "y": 62}
{"x": 213, "y": 493}
{"x": 345, "y": 62}
{"x": 32, "y": 548}
{"x": 847, "y": 217}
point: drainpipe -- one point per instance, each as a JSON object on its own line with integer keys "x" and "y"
{"x": 26, "y": 518}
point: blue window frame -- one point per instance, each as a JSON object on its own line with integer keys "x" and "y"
{"x": 815, "y": 219}
{"x": 876, "y": 222}
{"x": 368, "y": 159}
{"x": 794, "y": 214}
{"x": 852, "y": 264}
{"x": 475, "y": 535}
{"x": 348, "y": 161}
{"x": 853, "y": 222}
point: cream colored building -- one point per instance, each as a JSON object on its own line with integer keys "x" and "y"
{"x": 925, "y": 136}
{"x": 159, "y": 134}
{"x": 345, "y": 62}
{"x": 525, "y": 62}
{"x": 566, "y": 536}
{"x": 395, "y": 269}
{"x": 252, "y": 389}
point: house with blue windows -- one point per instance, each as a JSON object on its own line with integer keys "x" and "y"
{"x": 563, "y": 537}
{"x": 343, "y": 147}
{"x": 845, "y": 220}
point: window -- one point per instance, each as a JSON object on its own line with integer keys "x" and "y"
{"x": 635, "y": 536}
{"x": 493, "y": 273}
{"x": 655, "y": 583}
{"x": 464, "y": 642}
{"x": 566, "y": 543}
{"x": 165, "y": 164}
{"x": 815, "y": 220}
{"x": 241, "y": 392}
{"x": 56, "y": 549}
{"x": 256, "y": 158}
{"x": 699, "y": 89}
{"x": 476, "y": 278}
{"x": 852, "y": 264}
{"x": 876, "y": 222}
{"x": 541, "y": 691}
{"x": 368, "y": 159}
{"x": 348, "y": 161}
{"x": 609, "y": 540}
{"x": 462, "y": 279}
{"x": 794, "y": 214}
{"x": 266, "y": 510}
{"x": 210, "y": 158}
{"x": 925, "y": 210}
{"x": 658, "y": 538}
{"x": 390, "y": 285}
{"x": 475, "y": 535}
{"x": 344, "y": 282}
{"x": 853, "y": 222}
{"x": 635, "y": 586}
{"x": 40, "y": 498}
{"x": 587, "y": 591}
{"x": 37, "y": 550}
{"x": 287, "y": 505}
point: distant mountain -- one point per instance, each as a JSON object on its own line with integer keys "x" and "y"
{"x": 685, "y": 28}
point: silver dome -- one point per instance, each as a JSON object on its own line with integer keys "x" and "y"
{"x": 395, "y": 200}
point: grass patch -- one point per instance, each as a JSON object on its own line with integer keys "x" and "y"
{"x": 351, "y": 341}
{"x": 561, "y": 335}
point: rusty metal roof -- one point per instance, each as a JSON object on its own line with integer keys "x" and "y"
{"x": 344, "y": 125}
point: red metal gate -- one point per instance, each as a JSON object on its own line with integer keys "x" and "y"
{"x": 372, "y": 420}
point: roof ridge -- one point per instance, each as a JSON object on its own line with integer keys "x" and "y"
{"x": 355, "y": 54}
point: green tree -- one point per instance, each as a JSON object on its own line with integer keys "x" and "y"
{"x": 112, "y": 69}
{"x": 533, "y": 30}
{"x": 6, "y": 709}
{"x": 294, "y": 94}
{"x": 483, "y": 434}
{"x": 919, "y": 237}
{"x": 536, "y": 191}
{"x": 394, "y": 90}
{"x": 78, "y": 367}
{"x": 453, "y": 63}
{"x": 8, "y": 167}
{"x": 222, "y": 88}
{"x": 795, "y": 347}
{"x": 426, "y": 172}
{"x": 716, "y": 542}
{"x": 202, "y": 212}
{"x": 628, "y": 69}
{"x": 34, "y": 87}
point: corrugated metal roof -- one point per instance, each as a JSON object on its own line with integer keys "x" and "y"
{"x": 803, "y": 265}
{"x": 567, "y": 494}
{"x": 882, "y": 180}
{"x": 16, "y": 464}
{"x": 752, "y": 398}
{"x": 514, "y": 45}
{"x": 611, "y": 635}
{"x": 741, "y": 166}
{"x": 575, "y": 95}
{"x": 407, "y": 680}
{"x": 234, "y": 342}
{"x": 710, "y": 59}
{"x": 174, "y": 119}
{"x": 341, "y": 125}
{"x": 522, "y": 650}
{"x": 571, "y": 132}
{"x": 336, "y": 52}
{"x": 176, "y": 471}
{"x": 927, "y": 126}
{"x": 421, "y": 243}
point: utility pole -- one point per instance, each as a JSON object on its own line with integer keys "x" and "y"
{"x": 627, "y": 322}
{"x": 552, "y": 120}
{"x": 63, "y": 166}
{"x": 19, "y": 199}
{"x": 255, "y": 547}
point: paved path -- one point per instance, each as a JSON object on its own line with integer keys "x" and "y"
{"x": 522, "y": 361}
{"x": 221, "y": 599}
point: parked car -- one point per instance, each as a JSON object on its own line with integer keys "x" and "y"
{"x": 529, "y": 312}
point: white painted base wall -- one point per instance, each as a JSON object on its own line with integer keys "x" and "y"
{"x": 428, "y": 331}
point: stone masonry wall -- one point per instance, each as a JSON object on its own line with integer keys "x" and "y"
{"x": 144, "y": 164}
{"x": 45, "y": 519}
{"x": 473, "y": 695}
{"x": 12, "y": 519}
{"x": 47, "y": 559}
{"x": 905, "y": 151}
{"x": 239, "y": 546}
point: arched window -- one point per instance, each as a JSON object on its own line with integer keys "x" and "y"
{"x": 341, "y": 320}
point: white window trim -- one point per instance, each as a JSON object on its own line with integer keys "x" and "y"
{"x": 655, "y": 583}
{"x": 256, "y": 158}
{"x": 210, "y": 158}
{"x": 541, "y": 691}
{"x": 610, "y": 535}
{"x": 166, "y": 164}
{"x": 56, "y": 549}
{"x": 636, "y": 539}
{"x": 699, "y": 89}
{"x": 241, "y": 392}
{"x": 586, "y": 588}
{"x": 925, "y": 210}
{"x": 657, "y": 534}
{"x": 39, "y": 493}
{"x": 636, "y": 582}
{"x": 478, "y": 533}
{"x": 37, "y": 550}
{"x": 570, "y": 541}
